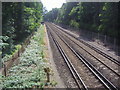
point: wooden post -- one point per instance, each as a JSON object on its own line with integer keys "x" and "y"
{"x": 98, "y": 35}
{"x": 0, "y": 33}
{"x": 0, "y": 61}
{"x": 18, "y": 52}
{"x": 5, "y": 70}
{"x": 114, "y": 43}
{"x": 92, "y": 36}
{"x": 47, "y": 70}
{"x": 105, "y": 40}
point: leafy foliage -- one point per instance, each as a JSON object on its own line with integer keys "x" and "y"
{"x": 20, "y": 19}
{"x": 109, "y": 19}
{"x": 93, "y": 16}
{"x": 52, "y": 15}
{"x": 29, "y": 73}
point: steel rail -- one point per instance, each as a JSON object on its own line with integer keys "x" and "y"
{"x": 101, "y": 78}
{"x": 92, "y": 47}
{"x": 94, "y": 57}
{"x": 73, "y": 71}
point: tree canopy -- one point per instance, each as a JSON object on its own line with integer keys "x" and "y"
{"x": 20, "y": 19}
{"x": 99, "y": 17}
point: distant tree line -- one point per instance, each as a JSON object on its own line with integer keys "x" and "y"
{"x": 100, "y": 17}
{"x": 19, "y": 19}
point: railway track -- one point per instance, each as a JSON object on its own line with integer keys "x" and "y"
{"x": 73, "y": 71}
{"x": 106, "y": 70}
{"x": 79, "y": 57}
{"x": 92, "y": 47}
{"x": 72, "y": 41}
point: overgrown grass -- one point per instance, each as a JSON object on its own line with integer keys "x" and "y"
{"x": 29, "y": 73}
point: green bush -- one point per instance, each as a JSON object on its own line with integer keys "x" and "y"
{"x": 30, "y": 70}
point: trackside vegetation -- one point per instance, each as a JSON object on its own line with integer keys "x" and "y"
{"x": 102, "y": 17}
{"x": 29, "y": 73}
{"x": 19, "y": 20}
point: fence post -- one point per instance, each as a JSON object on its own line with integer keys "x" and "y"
{"x": 98, "y": 35}
{"x": 0, "y": 62}
{"x": 92, "y": 36}
{"x": 105, "y": 39}
{"x": 114, "y": 43}
{"x": 5, "y": 70}
{"x": 0, "y": 34}
{"x": 19, "y": 52}
{"x": 47, "y": 70}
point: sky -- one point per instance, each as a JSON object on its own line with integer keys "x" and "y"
{"x": 49, "y": 4}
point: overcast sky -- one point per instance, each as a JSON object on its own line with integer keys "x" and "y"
{"x": 49, "y": 4}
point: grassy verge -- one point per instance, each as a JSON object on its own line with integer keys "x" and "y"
{"x": 29, "y": 73}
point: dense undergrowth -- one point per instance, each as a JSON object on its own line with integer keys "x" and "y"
{"x": 19, "y": 21}
{"x": 7, "y": 56}
{"x": 29, "y": 73}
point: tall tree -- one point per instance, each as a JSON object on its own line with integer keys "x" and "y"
{"x": 93, "y": 16}
{"x": 19, "y": 19}
{"x": 109, "y": 19}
